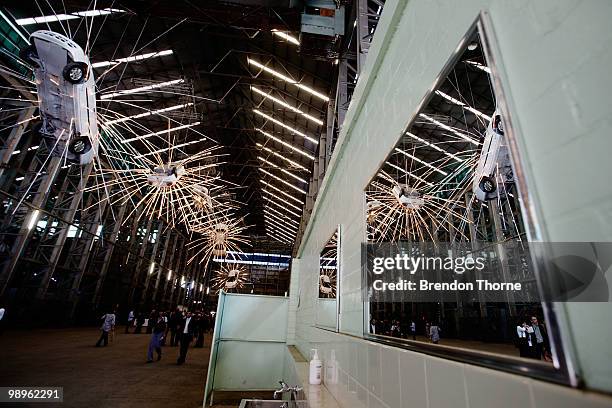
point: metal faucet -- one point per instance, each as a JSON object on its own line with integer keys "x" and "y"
{"x": 285, "y": 388}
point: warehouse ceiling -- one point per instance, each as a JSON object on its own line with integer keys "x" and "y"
{"x": 248, "y": 89}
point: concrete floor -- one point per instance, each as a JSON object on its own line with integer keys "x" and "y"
{"x": 114, "y": 376}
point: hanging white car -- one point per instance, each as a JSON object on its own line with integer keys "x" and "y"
{"x": 494, "y": 163}
{"x": 66, "y": 93}
{"x": 166, "y": 175}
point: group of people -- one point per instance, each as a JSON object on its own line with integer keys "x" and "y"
{"x": 182, "y": 327}
{"x": 404, "y": 329}
{"x": 532, "y": 339}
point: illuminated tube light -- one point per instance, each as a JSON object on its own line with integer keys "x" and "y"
{"x": 283, "y": 170}
{"x": 284, "y": 218}
{"x": 141, "y": 89}
{"x": 167, "y": 149}
{"x": 207, "y": 290}
{"x": 410, "y": 174}
{"x": 280, "y": 233}
{"x": 282, "y": 192}
{"x": 142, "y": 115}
{"x": 285, "y": 227}
{"x": 433, "y": 146}
{"x": 278, "y": 230}
{"x": 282, "y": 207}
{"x": 450, "y": 129}
{"x": 278, "y": 122}
{"x": 62, "y": 17}
{"x": 479, "y": 66}
{"x": 281, "y": 199}
{"x": 286, "y": 105}
{"x": 287, "y": 79}
{"x": 275, "y": 211}
{"x": 283, "y": 181}
{"x": 280, "y": 227}
{"x": 169, "y": 275}
{"x": 421, "y": 161}
{"x": 280, "y": 156}
{"x": 295, "y": 149}
{"x": 152, "y": 268}
{"x": 139, "y": 57}
{"x": 466, "y": 107}
{"x": 285, "y": 36}
{"x": 33, "y": 219}
{"x": 174, "y": 129}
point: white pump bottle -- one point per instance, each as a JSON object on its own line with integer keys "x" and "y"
{"x": 314, "y": 377}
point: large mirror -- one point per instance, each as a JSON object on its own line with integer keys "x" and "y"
{"x": 451, "y": 179}
{"x": 327, "y": 306}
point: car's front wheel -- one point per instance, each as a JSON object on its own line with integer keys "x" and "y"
{"x": 75, "y": 72}
{"x": 79, "y": 145}
{"x": 487, "y": 184}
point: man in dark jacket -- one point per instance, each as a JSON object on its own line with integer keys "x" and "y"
{"x": 173, "y": 324}
{"x": 158, "y": 328}
{"x": 186, "y": 329}
{"x": 541, "y": 336}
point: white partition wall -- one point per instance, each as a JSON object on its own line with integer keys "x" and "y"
{"x": 249, "y": 343}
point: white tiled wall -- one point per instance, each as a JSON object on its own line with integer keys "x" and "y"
{"x": 555, "y": 57}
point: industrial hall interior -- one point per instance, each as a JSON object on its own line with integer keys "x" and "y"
{"x": 305, "y": 203}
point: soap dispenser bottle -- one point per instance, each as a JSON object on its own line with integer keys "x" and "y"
{"x": 315, "y": 369}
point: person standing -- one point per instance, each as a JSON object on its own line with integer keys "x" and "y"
{"x": 152, "y": 321}
{"x": 158, "y": 329}
{"x": 186, "y": 330}
{"x": 434, "y": 333}
{"x": 175, "y": 320}
{"x": 523, "y": 340}
{"x": 130, "y": 321}
{"x": 541, "y": 338}
{"x": 108, "y": 324}
{"x": 413, "y": 329}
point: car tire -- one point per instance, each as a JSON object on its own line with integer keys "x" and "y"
{"x": 487, "y": 184}
{"x": 79, "y": 145}
{"x": 75, "y": 72}
{"x": 29, "y": 54}
{"x": 498, "y": 124}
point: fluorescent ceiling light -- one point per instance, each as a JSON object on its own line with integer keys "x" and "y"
{"x": 145, "y": 114}
{"x": 275, "y": 228}
{"x": 169, "y": 275}
{"x": 281, "y": 224}
{"x": 286, "y": 105}
{"x": 433, "y": 146}
{"x": 434, "y": 168}
{"x": 283, "y": 170}
{"x": 282, "y": 192}
{"x": 282, "y": 207}
{"x": 278, "y": 212}
{"x": 284, "y": 181}
{"x": 410, "y": 174}
{"x": 170, "y": 148}
{"x": 450, "y": 129}
{"x": 278, "y": 122}
{"x": 174, "y": 129}
{"x": 466, "y": 107}
{"x": 9, "y": 22}
{"x": 280, "y": 217}
{"x": 295, "y": 149}
{"x": 280, "y": 156}
{"x": 70, "y": 16}
{"x": 152, "y": 268}
{"x": 479, "y": 66}
{"x": 285, "y": 36}
{"x": 287, "y": 79}
{"x": 142, "y": 89}
{"x": 132, "y": 58}
{"x": 282, "y": 199}
{"x": 282, "y": 227}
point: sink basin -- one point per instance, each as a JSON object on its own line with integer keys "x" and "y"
{"x": 256, "y": 403}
